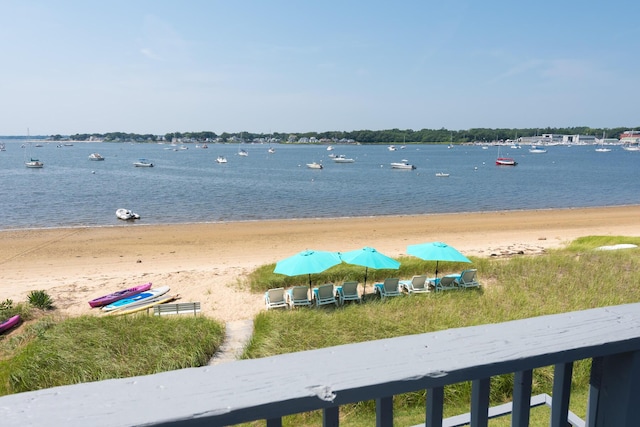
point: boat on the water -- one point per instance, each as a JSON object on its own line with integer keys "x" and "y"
{"x": 343, "y": 159}
{"x": 115, "y": 296}
{"x": 404, "y": 164}
{"x": 143, "y": 296}
{"x": 536, "y": 150}
{"x": 243, "y": 153}
{"x": 143, "y": 163}
{"x": 126, "y": 214}
{"x": 505, "y": 161}
{"x": 9, "y": 323}
{"x": 96, "y": 156}
{"x": 391, "y": 147}
{"x": 271, "y": 150}
{"x": 221, "y": 159}
{"x": 314, "y": 165}
{"x": 442, "y": 175}
{"x": 34, "y": 163}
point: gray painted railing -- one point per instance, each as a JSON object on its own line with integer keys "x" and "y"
{"x": 272, "y": 387}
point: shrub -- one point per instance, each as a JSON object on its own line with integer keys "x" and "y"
{"x": 40, "y": 299}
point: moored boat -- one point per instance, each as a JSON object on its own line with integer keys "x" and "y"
{"x": 314, "y": 165}
{"x": 505, "y": 161}
{"x": 143, "y": 163}
{"x": 343, "y": 159}
{"x": 442, "y": 175}
{"x": 34, "y": 163}
{"x": 404, "y": 164}
{"x": 126, "y": 214}
{"x": 95, "y": 157}
{"x": 115, "y": 296}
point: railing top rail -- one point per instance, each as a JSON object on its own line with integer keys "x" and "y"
{"x": 297, "y": 382}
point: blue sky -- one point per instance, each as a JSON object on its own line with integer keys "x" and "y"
{"x": 158, "y": 66}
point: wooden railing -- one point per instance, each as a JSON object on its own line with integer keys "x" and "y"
{"x": 273, "y": 387}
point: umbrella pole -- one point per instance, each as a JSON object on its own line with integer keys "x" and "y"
{"x": 364, "y": 287}
{"x": 310, "y": 291}
{"x": 436, "y": 269}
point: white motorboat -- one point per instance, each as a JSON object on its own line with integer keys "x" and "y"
{"x": 442, "y": 175}
{"x": 143, "y": 163}
{"x": 536, "y": 150}
{"x": 95, "y": 156}
{"x": 221, "y": 159}
{"x": 243, "y": 153}
{"x": 404, "y": 164}
{"x": 343, "y": 159}
{"x": 34, "y": 163}
{"x": 271, "y": 150}
{"x": 314, "y": 165}
{"x": 391, "y": 148}
{"x": 126, "y": 214}
{"x": 329, "y": 148}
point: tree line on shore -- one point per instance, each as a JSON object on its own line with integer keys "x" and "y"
{"x": 361, "y": 136}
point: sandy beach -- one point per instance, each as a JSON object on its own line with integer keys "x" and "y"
{"x": 207, "y": 262}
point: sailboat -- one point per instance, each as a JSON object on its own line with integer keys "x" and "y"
{"x": 241, "y": 151}
{"x": 32, "y": 162}
{"x": 601, "y": 148}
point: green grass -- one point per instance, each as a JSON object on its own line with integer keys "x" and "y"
{"x": 51, "y": 352}
{"x": 575, "y": 278}
{"x": 48, "y": 352}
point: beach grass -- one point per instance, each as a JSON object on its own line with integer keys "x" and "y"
{"x": 53, "y": 352}
{"x": 570, "y": 279}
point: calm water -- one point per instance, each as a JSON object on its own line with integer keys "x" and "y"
{"x": 189, "y": 186}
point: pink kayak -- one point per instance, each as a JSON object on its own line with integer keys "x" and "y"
{"x": 9, "y": 323}
{"x": 125, "y": 293}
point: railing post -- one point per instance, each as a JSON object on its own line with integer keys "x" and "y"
{"x": 561, "y": 394}
{"x": 384, "y": 412}
{"x": 614, "y": 393}
{"x": 521, "y": 398}
{"x": 480, "y": 402}
{"x": 331, "y": 417}
{"x": 274, "y": 422}
{"x": 435, "y": 402}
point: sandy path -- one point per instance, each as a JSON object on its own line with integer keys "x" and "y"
{"x": 206, "y": 262}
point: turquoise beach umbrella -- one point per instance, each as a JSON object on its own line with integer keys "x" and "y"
{"x": 307, "y": 262}
{"x": 369, "y": 258}
{"x": 436, "y": 251}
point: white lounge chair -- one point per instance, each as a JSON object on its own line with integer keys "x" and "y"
{"x": 446, "y": 283}
{"x": 274, "y": 298}
{"x": 348, "y": 292}
{"x": 298, "y": 296}
{"x": 467, "y": 279}
{"x": 417, "y": 284}
{"x": 325, "y": 294}
{"x": 389, "y": 288}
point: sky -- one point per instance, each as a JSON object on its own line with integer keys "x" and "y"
{"x": 263, "y": 66}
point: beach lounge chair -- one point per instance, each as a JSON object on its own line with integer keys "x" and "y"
{"x": 467, "y": 279}
{"x": 325, "y": 294}
{"x": 389, "y": 288}
{"x": 274, "y": 298}
{"x": 446, "y": 283}
{"x": 348, "y": 292}
{"x": 417, "y": 284}
{"x": 298, "y": 296}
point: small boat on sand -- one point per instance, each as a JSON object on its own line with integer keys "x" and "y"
{"x": 142, "y": 296}
{"x": 9, "y": 323}
{"x": 115, "y": 296}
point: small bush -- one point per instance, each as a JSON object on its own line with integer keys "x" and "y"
{"x": 40, "y": 299}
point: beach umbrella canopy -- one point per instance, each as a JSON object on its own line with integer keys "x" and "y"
{"x": 436, "y": 251}
{"x": 369, "y": 258}
{"x": 307, "y": 262}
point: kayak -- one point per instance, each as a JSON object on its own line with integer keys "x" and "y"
{"x": 115, "y": 296}
{"x": 9, "y": 323}
{"x": 126, "y": 302}
{"x": 145, "y": 304}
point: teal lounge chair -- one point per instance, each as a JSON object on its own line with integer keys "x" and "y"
{"x": 274, "y": 298}
{"x": 389, "y": 288}
{"x": 417, "y": 284}
{"x": 325, "y": 294}
{"x": 298, "y": 296}
{"x": 446, "y": 283}
{"x": 348, "y": 292}
{"x": 467, "y": 279}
